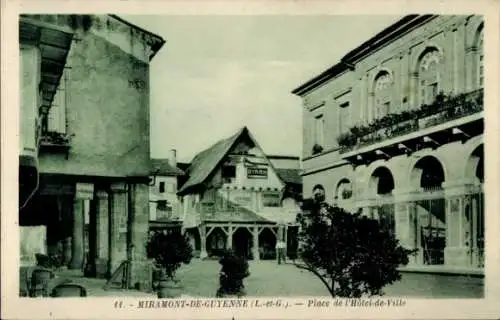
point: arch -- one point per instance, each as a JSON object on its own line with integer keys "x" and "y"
{"x": 474, "y": 168}
{"x": 381, "y": 181}
{"x": 377, "y": 74}
{"x": 382, "y": 89}
{"x": 429, "y": 47}
{"x": 343, "y": 189}
{"x": 429, "y": 75}
{"x": 427, "y": 173}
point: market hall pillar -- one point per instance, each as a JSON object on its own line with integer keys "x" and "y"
{"x": 84, "y": 192}
{"x": 255, "y": 242}
{"x": 203, "y": 241}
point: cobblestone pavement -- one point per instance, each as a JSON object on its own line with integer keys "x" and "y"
{"x": 267, "y": 278}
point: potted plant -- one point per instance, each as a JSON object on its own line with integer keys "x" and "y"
{"x": 234, "y": 270}
{"x": 317, "y": 149}
{"x": 169, "y": 249}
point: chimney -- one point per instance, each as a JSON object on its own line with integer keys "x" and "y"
{"x": 172, "y": 158}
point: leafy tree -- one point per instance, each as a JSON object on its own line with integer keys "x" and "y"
{"x": 170, "y": 249}
{"x": 351, "y": 254}
{"x": 234, "y": 270}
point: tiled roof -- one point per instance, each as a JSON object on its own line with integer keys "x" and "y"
{"x": 206, "y": 161}
{"x": 289, "y": 175}
{"x": 163, "y": 168}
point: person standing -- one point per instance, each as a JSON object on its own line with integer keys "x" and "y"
{"x": 280, "y": 250}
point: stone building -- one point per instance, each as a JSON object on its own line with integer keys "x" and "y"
{"x": 163, "y": 201}
{"x": 234, "y": 198}
{"x": 395, "y": 129}
{"x": 85, "y": 127}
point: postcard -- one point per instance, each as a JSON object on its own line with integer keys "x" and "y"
{"x": 250, "y": 159}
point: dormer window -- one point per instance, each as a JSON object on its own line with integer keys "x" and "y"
{"x": 228, "y": 172}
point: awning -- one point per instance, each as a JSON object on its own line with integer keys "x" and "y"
{"x": 54, "y": 45}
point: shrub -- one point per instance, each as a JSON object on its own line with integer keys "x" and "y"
{"x": 352, "y": 255}
{"x": 169, "y": 249}
{"x": 234, "y": 270}
{"x": 317, "y": 149}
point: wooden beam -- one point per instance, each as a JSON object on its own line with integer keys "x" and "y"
{"x": 209, "y": 231}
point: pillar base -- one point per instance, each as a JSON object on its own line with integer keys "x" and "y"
{"x": 141, "y": 275}
{"x": 457, "y": 256}
{"x": 101, "y": 268}
{"x": 203, "y": 254}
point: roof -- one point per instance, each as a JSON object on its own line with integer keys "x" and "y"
{"x": 162, "y": 167}
{"x": 400, "y": 27}
{"x": 289, "y": 176}
{"x": 282, "y": 157}
{"x": 154, "y": 41}
{"x": 205, "y": 162}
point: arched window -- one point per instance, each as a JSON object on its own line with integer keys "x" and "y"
{"x": 344, "y": 190}
{"x": 429, "y": 76}
{"x": 480, "y": 58}
{"x": 382, "y": 94}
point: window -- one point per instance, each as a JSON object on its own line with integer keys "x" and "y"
{"x": 343, "y": 123}
{"x": 228, "y": 171}
{"x": 162, "y": 187}
{"x": 319, "y": 124}
{"x": 56, "y": 121}
{"x": 480, "y": 59}
{"x": 382, "y": 94}
{"x": 429, "y": 75}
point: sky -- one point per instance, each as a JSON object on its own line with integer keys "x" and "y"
{"x": 216, "y": 74}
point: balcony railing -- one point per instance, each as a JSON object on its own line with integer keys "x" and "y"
{"x": 54, "y": 139}
{"x": 445, "y": 108}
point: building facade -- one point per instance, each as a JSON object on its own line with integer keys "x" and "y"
{"x": 85, "y": 127}
{"x": 164, "y": 206}
{"x": 395, "y": 129}
{"x": 234, "y": 198}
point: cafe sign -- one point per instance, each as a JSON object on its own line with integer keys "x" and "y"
{"x": 257, "y": 173}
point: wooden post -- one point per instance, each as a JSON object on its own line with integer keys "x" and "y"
{"x": 203, "y": 241}
{"x": 255, "y": 248}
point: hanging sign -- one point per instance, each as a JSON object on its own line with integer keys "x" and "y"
{"x": 257, "y": 173}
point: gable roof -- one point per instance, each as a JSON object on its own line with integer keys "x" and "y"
{"x": 162, "y": 167}
{"x": 289, "y": 176}
{"x": 205, "y": 162}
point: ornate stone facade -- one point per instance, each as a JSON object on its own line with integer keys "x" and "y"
{"x": 412, "y": 152}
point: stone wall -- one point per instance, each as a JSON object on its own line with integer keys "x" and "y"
{"x": 107, "y": 111}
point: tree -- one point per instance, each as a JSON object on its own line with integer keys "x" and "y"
{"x": 170, "y": 249}
{"x": 234, "y": 270}
{"x": 351, "y": 254}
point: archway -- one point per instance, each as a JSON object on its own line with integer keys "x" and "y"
{"x": 343, "y": 190}
{"x": 267, "y": 244}
{"x": 381, "y": 184}
{"x": 216, "y": 242}
{"x": 428, "y": 175}
{"x": 242, "y": 242}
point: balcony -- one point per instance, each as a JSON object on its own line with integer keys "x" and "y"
{"x": 54, "y": 142}
{"x": 449, "y": 118}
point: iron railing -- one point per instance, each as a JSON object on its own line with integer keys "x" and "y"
{"x": 444, "y": 109}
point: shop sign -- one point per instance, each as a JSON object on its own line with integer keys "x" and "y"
{"x": 257, "y": 173}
